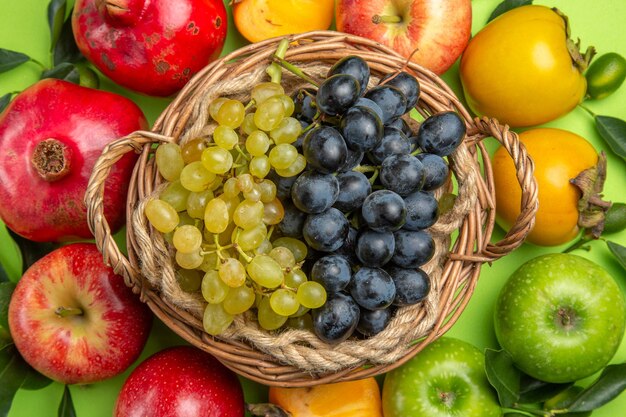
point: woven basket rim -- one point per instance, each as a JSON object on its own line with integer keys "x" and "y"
{"x": 463, "y": 262}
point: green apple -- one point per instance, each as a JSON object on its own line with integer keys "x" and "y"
{"x": 446, "y": 379}
{"x": 561, "y": 317}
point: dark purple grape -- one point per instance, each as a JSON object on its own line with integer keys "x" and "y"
{"x": 413, "y": 248}
{"x": 393, "y": 142}
{"x": 366, "y": 102}
{"x": 361, "y": 128}
{"x": 353, "y": 160}
{"x": 355, "y": 66}
{"x": 313, "y": 192}
{"x": 372, "y": 288}
{"x": 293, "y": 221}
{"x": 441, "y": 133}
{"x": 327, "y": 231}
{"x": 390, "y": 99}
{"x": 406, "y": 83}
{"x": 354, "y": 187}
{"x": 402, "y": 126}
{"x": 347, "y": 250}
{"x": 324, "y": 149}
{"x": 373, "y": 248}
{"x": 373, "y": 322}
{"x": 412, "y": 285}
{"x": 337, "y": 94}
{"x": 283, "y": 185}
{"x": 402, "y": 174}
{"x": 304, "y": 104}
{"x": 337, "y": 319}
{"x": 333, "y": 272}
{"x": 422, "y": 210}
{"x": 384, "y": 211}
{"x": 435, "y": 169}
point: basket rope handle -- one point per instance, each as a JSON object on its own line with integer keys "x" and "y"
{"x": 524, "y": 167}
{"x": 94, "y": 198}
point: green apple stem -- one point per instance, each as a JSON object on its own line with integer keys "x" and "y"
{"x": 377, "y": 19}
{"x": 68, "y": 311}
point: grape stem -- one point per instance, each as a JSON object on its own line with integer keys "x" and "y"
{"x": 295, "y": 70}
{"x": 273, "y": 70}
{"x": 241, "y": 152}
{"x": 243, "y": 254}
{"x": 365, "y": 168}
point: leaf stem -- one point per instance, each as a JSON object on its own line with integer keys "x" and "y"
{"x": 42, "y": 66}
{"x": 587, "y": 109}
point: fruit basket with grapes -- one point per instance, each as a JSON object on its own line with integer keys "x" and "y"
{"x": 310, "y": 209}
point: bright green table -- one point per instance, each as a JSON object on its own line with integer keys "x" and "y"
{"x": 23, "y": 27}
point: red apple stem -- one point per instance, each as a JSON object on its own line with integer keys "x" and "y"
{"x": 377, "y": 19}
{"x": 68, "y": 311}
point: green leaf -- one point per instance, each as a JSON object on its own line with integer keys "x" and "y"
{"x": 12, "y": 375}
{"x": 613, "y": 131}
{"x": 31, "y": 251}
{"x": 4, "y": 277}
{"x": 4, "y": 101}
{"x": 502, "y": 375}
{"x": 66, "y": 407}
{"x": 56, "y": 17}
{"x": 65, "y": 49}
{"x": 615, "y": 218}
{"x": 535, "y": 391}
{"x": 609, "y": 385}
{"x": 34, "y": 380}
{"x": 11, "y": 59}
{"x": 6, "y": 290}
{"x": 618, "y": 251}
{"x": 64, "y": 71}
{"x": 507, "y": 5}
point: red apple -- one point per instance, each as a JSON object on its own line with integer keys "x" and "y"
{"x": 181, "y": 381}
{"x": 435, "y": 32}
{"x": 74, "y": 320}
{"x": 150, "y": 46}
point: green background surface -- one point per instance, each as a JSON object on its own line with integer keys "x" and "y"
{"x": 23, "y": 27}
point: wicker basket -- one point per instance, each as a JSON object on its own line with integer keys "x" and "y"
{"x": 296, "y": 357}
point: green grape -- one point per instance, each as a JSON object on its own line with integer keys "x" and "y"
{"x": 268, "y": 319}
{"x": 189, "y": 280}
{"x": 248, "y": 214}
{"x": 257, "y": 143}
{"x": 239, "y": 300}
{"x": 224, "y": 238}
{"x": 241, "y": 169}
{"x": 254, "y": 194}
{"x": 175, "y": 195}
{"x": 265, "y": 271}
{"x": 192, "y": 150}
{"x": 283, "y": 256}
{"x": 304, "y": 322}
{"x": 265, "y": 90}
{"x": 191, "y": 260}
{"x": 287, "y": 104}
{"x": 230, "y": 187}
{"x": 161, "y": 215}
{"x": 294, "y": 169}
{"x": 225, "y": 137}
{"x": 245, "y": 182}
{"x": 196, "y": 203}
{"x": 216, "y": 320}
{"x": 250, "y": 239}
{"x": 273, "y": 212}
{"x": 295, "y": 278}
{"x": 185, "y": 218}
{"x": 297, "y": 247}
{"x": 302, "y": 310}
{"x": 259, "y": 166}
{"x": 268, "y": 190}
{"x": 231, "y": 114}
{"x": 287, "y": 131}
{"x": 269, "y": 114}
{"x": 311, "y": 294}
{"x": 217, "y": 183}
{"x": 214, "y": 290}
{"x": 210, "y": 262}
{"x": 283, "y": 155}
{"x": 232, "y": 272}
{"x": 216, "y": 217}
{"x": 231, "y": 203}
{"x": 248, "y": 126}
{"x": 169, "y": 161}
{"x": 217, "y": 160}
{"x": 264, "y": 248}
{"x": 195, "y": 177}
{"x": 215, "y": 106}
{"x": 284, "y": 302}
{"x": 187, "y": 239}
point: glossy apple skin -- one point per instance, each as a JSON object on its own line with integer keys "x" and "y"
{"x": 436, "y": 30}
{"x": 180, "y": 381}
{"x": 100, "y": 343}
{"x": 530, "y": 310}
{"x": 83, "y": 120}
{"x": 150, "y": 46}
{"x": 446, "y": 379}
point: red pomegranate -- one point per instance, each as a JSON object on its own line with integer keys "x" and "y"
{"x": 51, "y": 135}
{"x": 150, "y": 46}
